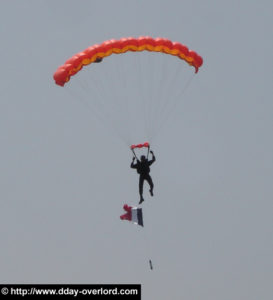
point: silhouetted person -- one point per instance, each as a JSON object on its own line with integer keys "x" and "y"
{"x": 143, "y": 169}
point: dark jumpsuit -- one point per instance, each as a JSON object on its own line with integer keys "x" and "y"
{"x": 143, "y": 169}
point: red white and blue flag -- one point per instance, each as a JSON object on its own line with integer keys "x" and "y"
{"x": 133, "y": 214}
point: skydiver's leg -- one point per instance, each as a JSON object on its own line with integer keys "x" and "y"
{"x": 150, "y": 181}
{"x": 141, "y": 181}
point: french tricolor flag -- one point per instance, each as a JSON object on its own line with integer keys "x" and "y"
{"x": 133, "y": 214}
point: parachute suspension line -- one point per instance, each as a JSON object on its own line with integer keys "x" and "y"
{"x": 155, "y": 72}
{"x": 162, "y": 96}
{"x": 181, "y": 92}
{"x": 125, "y": 96}
{"x": 133, "y": 150}
{"x": 166, "y": 80}
{"x": 81, "y": 97}
{"x": 147, "y": 64}
{"x": 157, "y": 96}
{"x": 149, "y": 91}
{"x": 152, "y": 100}
{"x": 76, "y": 97}
{"x": 97, "y": 98}
{"x": 131, "y": 94}
{"x": 116, "y": 103}
{"x": 92, "y": 108}
{"x": 142, "y": 91}
{"x": 153, "y": 88}
{"x": 148, "y": 151}
{"x": 169, "y": 86}
{"x": 174, "y": 105}
{"x": 98, "y": 102}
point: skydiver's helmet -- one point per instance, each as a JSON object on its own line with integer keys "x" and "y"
{"x": 142, "y": 158}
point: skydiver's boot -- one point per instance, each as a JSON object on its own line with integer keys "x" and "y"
{"x": 141, "y": 199}
{"x": 151, "y": 192}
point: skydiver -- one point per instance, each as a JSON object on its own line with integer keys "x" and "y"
{"x": 143, "y": 169}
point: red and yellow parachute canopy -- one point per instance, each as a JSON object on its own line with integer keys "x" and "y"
{"x": 97, "y": 52}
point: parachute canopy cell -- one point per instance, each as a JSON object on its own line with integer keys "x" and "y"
{"x": 97, "y": 52}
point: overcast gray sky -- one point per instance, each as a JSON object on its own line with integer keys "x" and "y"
{"x": 65, "y": 176}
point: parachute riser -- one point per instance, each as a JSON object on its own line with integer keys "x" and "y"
{"x": 148, "y": 151}
{"x": 134, "y": 153}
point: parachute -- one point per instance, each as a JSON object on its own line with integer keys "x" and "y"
{"x": 96, "y": 53}
{"x": 135, "y": 92}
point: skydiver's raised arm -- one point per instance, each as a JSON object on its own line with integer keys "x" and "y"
{"x": 153, "y": 158}
{"x": 133, "y": 165}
